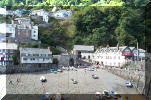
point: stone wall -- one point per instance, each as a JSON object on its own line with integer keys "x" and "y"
{"x": 64, "y": 60}
{"x": 137, "y": 78}
{"x": 29, "y": 68}
{"x": 148, "y": 80}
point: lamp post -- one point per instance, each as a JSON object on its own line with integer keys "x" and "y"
{"x": 137, "y": 53}
{"x": 3, "y": 61}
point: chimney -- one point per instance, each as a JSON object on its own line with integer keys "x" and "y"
{"x": 39, "y": 44}
{"x": 107, "y": 46}
{"x": 48, "y": 48}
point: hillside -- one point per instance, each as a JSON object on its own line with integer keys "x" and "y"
{"x": 73, "y": 2}
{"x": 98, "y": 26}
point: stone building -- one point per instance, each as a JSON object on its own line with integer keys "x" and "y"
{"x": 67, "y": 60}
{"x": 83, "y": 51}
{"x": 113, "y": 56}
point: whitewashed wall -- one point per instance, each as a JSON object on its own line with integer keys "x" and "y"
{"x": 37, "y": 60}
{"x": 109, "y": 59}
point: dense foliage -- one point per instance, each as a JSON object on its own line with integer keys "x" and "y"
{"x": 148, "y": 28}
{"x": 73, "y": 2}
{"x": 91, "y": 25}
{"x": 101, "y": 26}
{"x": 98, "y": 26}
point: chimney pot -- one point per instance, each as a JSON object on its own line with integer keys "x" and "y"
{"x": 48, "y": 48}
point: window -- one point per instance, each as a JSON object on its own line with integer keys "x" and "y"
{"x": 24, "y": 58}
{"x": 34, "y": 35}
{"x": 35, "y": 54}
{"x": 49, "y": 54}
{"x": 119, "y": 57}
{"x": 23, "y": 54}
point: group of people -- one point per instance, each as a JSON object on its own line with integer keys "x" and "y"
{"x": 11, "y": 82}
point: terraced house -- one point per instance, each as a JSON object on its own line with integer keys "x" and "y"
{"x": 113, "y": 56}
{"x": 21, "y": 30}
{"x": 30, "y": 56}
{"x": 7, "y": 51}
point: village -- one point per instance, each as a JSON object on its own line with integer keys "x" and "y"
{"x": 84, "y": 69}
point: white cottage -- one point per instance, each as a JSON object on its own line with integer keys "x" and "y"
{"x": 83, "y": 51}
{"x": 41, "y": 13}
{"x": 113, "y": 56}
{"x": 35, "y": 56}
{"x": 2, "y": 11}
{"x": 62, "y": 14}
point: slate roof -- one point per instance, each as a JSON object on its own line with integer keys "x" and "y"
{"x": 13, "y": 46}
{"x": 35, "y": 51}
{"x": 115, "y": 49}
{"x": 83, "y": 47}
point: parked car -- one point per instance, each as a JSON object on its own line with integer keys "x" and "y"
{"x": 74, "y": 81}
{"x": 59, "y": 70}
{"x": 92, "y": 69}
{"x": 63, "y": 68}
{"x": 53, "y": 71}
{"x": 128, "y": 84}
{"x": 74, "y": 69}
{"x": 95, "y": 76}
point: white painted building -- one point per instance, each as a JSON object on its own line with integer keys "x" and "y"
{"x": 34, "y": 33}
{"x": 21, "y": 29}
{"x": 10, "y": 30}
{"x": 2, "y": 11}
{"x": 83, "y": 51}
{"x": 62, "y": 14}
{"x": 112, "y": 56}
{"x": 46, "y": 17}
{"x": 7, "y": 51}
{"x": 54, "y": 9}
{"x": 35, "y": 56}
{"x": 41, "y": 13}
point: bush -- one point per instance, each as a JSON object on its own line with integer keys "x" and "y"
{"x": 15, "y": 60}
{"x": 55, "y": 61}
{"x": 126, "y": 64}
{"x": 55, "y": 51}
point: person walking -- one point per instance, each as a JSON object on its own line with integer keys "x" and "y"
{"x": 17, "y": 80}
{"x": 11, "y": 82}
